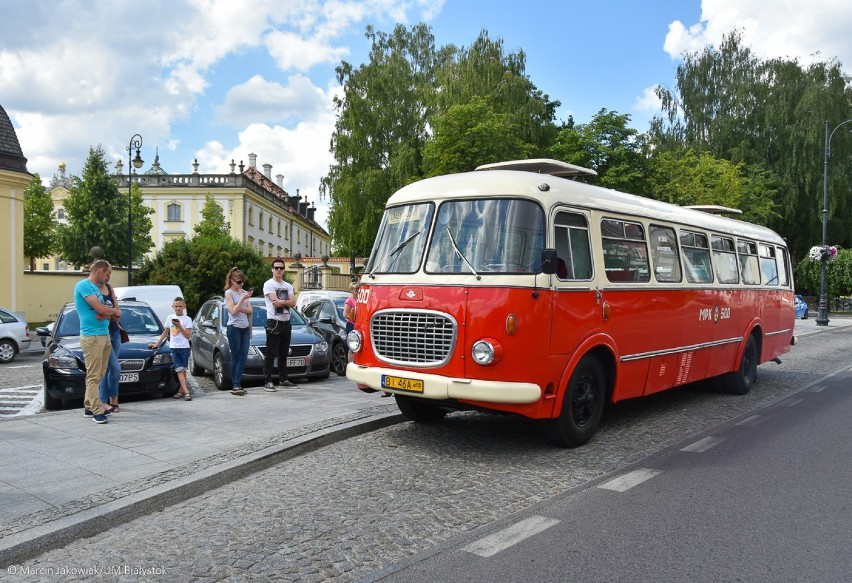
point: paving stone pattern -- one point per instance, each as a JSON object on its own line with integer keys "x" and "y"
{"x": 351, "y": 509}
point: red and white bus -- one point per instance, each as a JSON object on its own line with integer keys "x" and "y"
{"x": 516, "y": 288}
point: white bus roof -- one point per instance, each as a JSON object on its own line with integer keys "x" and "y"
{"x": 541, "y": 166}
{"x": 553, "y": 190}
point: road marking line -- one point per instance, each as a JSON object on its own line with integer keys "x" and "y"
{"x": 817, "y": 388}
{"x": 753, "y": 420}
{"x": 503, "y": 539}
{"x": 703, "y": 445}
{"x": 790, "y": 402}
{"x": 629, "y": 480}
{"x": 18, "y": 388}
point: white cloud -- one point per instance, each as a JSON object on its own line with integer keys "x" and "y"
{"x": 809, "y": 31}
{"x": 648, "y": 102}
{"x": 259, "y": 100}
{"x": 291, "y": 51}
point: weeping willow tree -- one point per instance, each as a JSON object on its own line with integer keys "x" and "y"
{"x": 768, "y": 115}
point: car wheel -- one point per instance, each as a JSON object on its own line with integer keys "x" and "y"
{"x": 50, "y": 403}
{"x": 194, "y": 369}
{"x": 740, "y": 381}
{"x": 220, "y": 378}
{"x": 418, "y": 410}
{"x": 8, "y": 350}
{"x": 339, "y": 359}
{"x": 582, "y": 405}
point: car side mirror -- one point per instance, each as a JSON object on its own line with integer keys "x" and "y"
{"x": 548, "y": 261}
{"x": 208, "y": 324}
{"x": 325, "y": 319}
{"x": 43, "y": 331}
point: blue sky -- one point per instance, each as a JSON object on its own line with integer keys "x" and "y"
{"x": 218, "y": 79}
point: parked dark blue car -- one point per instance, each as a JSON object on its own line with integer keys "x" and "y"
{"x": 143, "y": 370}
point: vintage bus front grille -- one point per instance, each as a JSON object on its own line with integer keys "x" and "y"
{"x": 413, "y": 337}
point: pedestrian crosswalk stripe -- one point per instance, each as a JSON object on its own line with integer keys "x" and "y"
{"x": 629, "y": 480}
{"x": 503, "y": 539}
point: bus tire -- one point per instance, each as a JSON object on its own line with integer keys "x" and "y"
{"x": 582, "y": 406}
{"x": 418, "y": 410}
{"x": 740, "y": 381}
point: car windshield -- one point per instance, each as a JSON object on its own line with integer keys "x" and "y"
{"x": 487, "y": 236}
{"x": 339, "y": 303}
{"x": 136, "y": 320}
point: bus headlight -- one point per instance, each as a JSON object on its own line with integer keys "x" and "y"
{"x": 486, "y": 352}
{"x": 353, "y": 341}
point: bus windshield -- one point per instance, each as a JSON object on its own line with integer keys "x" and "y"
{"x": 401, "y": 239}
{"x": 487, "y": 236}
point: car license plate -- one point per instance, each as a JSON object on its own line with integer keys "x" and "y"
{"x": 295, "y": 363}
{"x": 402, "y": 384}
{"x": 129, "y": 377}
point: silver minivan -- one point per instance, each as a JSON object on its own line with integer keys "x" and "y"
{"x": 159, "y": 297}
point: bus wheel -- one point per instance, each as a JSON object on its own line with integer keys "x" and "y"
{"x": 740, "y": 381}
{"x": 418, "y": 410}
{"x": 582, "y": 406}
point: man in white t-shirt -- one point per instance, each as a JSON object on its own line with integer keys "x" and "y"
{"x": 279, "y": 297}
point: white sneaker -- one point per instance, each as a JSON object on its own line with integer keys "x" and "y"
{"x": 269, "y": 387}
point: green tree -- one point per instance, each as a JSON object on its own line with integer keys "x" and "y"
{"x": 608, "y": 146}
{"x": 697, "y": 178}
{"x": 469, "y": 135}
{"x": 97, "y": 216}
{"x": 40, "y": 227}
{"x": 769, "y": 114}
{"x": 213, "y": 224}
{"x": 380, "y": 131}
{"x": 200, "y": 264}
{"x": 838, "y": 276}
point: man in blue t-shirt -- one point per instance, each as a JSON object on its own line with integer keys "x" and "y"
{"x": 94, "y": 335}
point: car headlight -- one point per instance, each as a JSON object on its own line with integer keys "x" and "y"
{"x": 487, "y": 352}
{"x": 353, "y": 341}
{"x": 162, "y": 358}
{"x": 321, "y": 347}
{"x": 63, "y": 358}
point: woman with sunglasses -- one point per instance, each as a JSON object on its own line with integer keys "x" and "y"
{"x": 239, "y": 325}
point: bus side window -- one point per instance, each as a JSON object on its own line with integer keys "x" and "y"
{"x": 783, "y": 269}
{"x": 696, "y": 257}
{"x": 664, "y": 253}
{"x": 725, "y": 260}
{"x": 625, "y": 252}
{"x": 747, "y": 251}
{"x": 571, "y": 236}
{"x": 768, "y": 266}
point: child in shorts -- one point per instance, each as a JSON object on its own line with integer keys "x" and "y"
{"x": 178, "y": 328}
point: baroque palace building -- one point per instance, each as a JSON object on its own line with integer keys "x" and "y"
{"x": 14, "y": 179}
{"x": 258, "y": 209}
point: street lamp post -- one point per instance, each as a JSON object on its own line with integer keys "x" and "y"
{"x": 822, "y": 317}
{"x": 137, "y": 162}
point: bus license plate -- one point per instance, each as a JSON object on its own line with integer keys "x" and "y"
{"x": 129, "y": 377}
{"x": 295, "y": 363}
{"x": 389, "y": 382}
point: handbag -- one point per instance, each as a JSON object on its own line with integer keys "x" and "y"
{"x": 124, "y": 337}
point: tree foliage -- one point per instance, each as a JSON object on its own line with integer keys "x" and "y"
{"x": 769, "y": 114}
{"x": 97, "y": 216}
{"x": 40, "y": 227}
{"x": 838, "y": 278}
{"x": 213, "y": 224}
{"x": 608, "y": 146}
{"x": 200, "y": 265}
{"x": 697, "y": 178}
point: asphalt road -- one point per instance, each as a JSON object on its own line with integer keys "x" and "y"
{"x": 403, "y": 502}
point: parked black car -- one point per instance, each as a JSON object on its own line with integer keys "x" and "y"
{"x": 143, "y": 370}
{"x": 309, "y": 357}
{"x": 326, "y": 315}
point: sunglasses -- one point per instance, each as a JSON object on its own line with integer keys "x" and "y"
{"x": 278, "y": 267}
{"x": 239, "y": 281}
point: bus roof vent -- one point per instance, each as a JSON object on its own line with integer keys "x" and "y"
{"x": 714, "y": 209}
{"x": 541, "y": 166}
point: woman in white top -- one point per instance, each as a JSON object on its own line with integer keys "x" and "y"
{"x": 239, "y": 325}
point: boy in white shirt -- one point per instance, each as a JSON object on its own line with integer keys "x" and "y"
{"x": 178, "y": 329}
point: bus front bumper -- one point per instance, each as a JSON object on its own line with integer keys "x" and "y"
{"x": 441, "y": 387}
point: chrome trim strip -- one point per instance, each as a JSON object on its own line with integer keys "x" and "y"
{"x": 680, "y": 349}
{"x": 785, "y": 331}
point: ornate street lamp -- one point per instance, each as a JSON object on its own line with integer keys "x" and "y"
{"x": 137, "y": 162}
{"x": 822, "y": 317}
